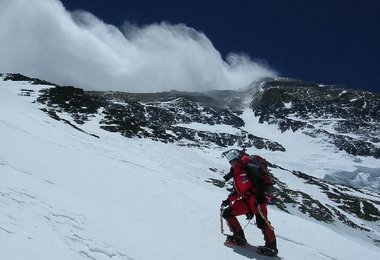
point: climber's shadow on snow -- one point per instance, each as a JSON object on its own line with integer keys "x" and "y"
{"x": 250, "y": 252}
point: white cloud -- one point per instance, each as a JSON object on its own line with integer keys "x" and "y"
{"x": 40, "y": 38}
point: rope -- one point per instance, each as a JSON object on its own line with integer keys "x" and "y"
{"x": 246, "y": 225}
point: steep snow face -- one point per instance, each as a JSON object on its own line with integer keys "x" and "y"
{"x": 308, "y": 154}
{"x": 94, "y": 194}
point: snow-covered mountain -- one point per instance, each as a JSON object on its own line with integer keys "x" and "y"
{"x": 109, "y": 175}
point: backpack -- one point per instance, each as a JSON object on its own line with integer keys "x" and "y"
{"x": 262, "y": 164}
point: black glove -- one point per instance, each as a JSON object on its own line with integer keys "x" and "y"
{"x": 249, "y": 215}
{"x": 260, "y": 199}
{"x": 225, "y": 203}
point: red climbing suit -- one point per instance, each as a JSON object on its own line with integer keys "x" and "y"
{"x": 249, "y": 193}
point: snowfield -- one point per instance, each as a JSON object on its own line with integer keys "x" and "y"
{"x": 65, "y": 194}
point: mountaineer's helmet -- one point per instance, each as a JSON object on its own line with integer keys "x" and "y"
{"x": 233, "y": 155}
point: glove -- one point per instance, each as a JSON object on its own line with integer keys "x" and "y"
{"x": 249, "y": 215}
{"x": 225, "y": 203}
{"x": 260, "y": 199}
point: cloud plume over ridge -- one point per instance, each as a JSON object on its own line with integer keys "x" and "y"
{"x": 40, "y": 38}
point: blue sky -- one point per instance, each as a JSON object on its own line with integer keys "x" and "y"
{"x": 325, "y": 41}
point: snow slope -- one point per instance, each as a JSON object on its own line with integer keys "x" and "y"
{"x": 65, "y": 194}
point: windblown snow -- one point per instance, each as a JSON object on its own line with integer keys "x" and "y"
{"x": 65, "y": 194}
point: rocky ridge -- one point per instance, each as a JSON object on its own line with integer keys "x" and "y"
{"x": 347, "y": 118}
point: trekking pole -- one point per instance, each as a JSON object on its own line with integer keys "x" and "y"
{"x": 221, "y": 222}
{"x": 265, "y": 218}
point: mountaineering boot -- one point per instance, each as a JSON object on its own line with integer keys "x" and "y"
{"x": 264, "y": 250}
{"x": 270, "y": 249}
{"x": 237, "y": 239}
